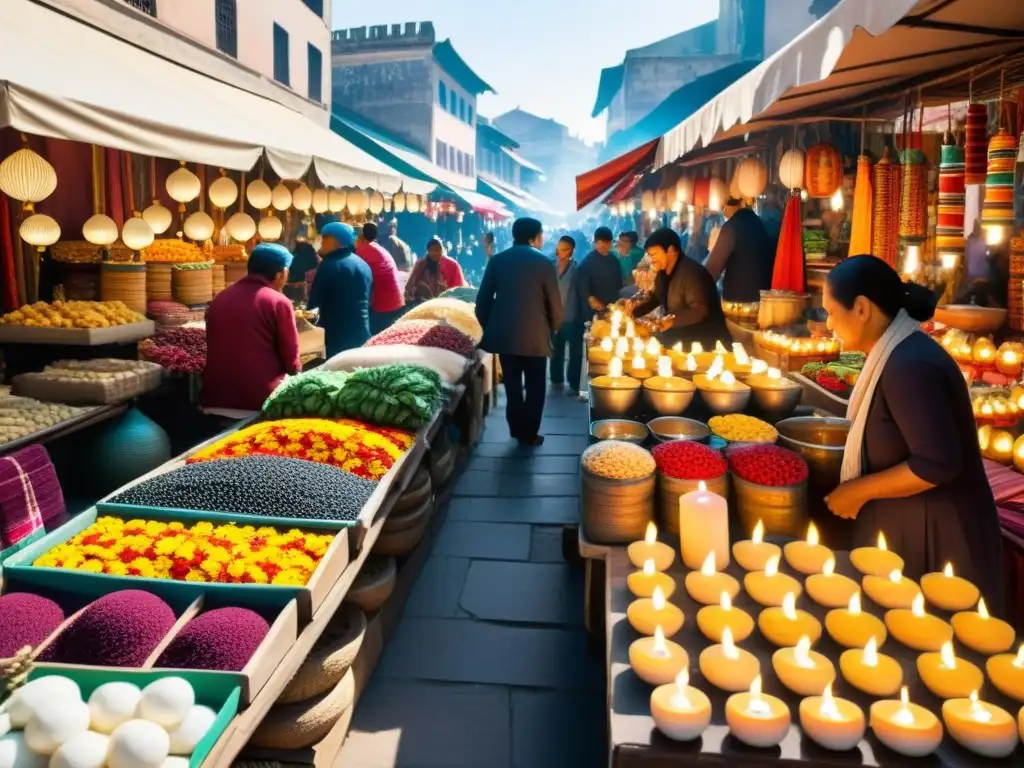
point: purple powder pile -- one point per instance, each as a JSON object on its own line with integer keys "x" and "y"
{"x": 224, "y": 640}
{"x": 118, "y": 630}
{"x": 26, "y": 619}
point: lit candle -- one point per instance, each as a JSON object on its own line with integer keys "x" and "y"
{"x": 947, "y": 676}
{"x": 1009, "y": 362}
{"x": 704, "y": 529}
{"x": 642, "y": 583}
{"x": 803, "y": 671}
{"x": 757, "y": 719}
{"x": 769, "y": 587}
{"x": 696, "y": 348}
{"x": 720, "y": 348}
{"x": 808, "y": 556}
{"x": 615, "y": 367}
{"x": 753, "y": 554}
{"x": 638, "y": 346}
{"x": 607, "y": 345}
{"x": 758, "y": 367}
{"x": 679, "y": 710}
{"x": 717, "y": 367}
{"x": 850, "y": 627}
{"x": 983, "y": 728}
{"x": 981, "y": 632}
{"x": 916, "y": 629}
{"x": 647, "y": 614}
{"x": 616, "y": 318}
{"x": 677, "y": 348}
{"x": 653, "y": 348}
{"x": 984, "y": 352}
{"x": 651, "y": 549}
{"x": 665, "y": 366}
{"x": 614, "y": 333}
{"x": 786, "y": 625}
{"x": 740, "y": 354}
{"x": 713, "y": 620}
{"x": 630, "y": 328}
{"x": 830, "y": 722}
{"x": 1006, "y": 671}
{"x": 656, "y": 660}
{"x": 893, "y": 591}
{"x": 831, "y": 589}
{"x": 1001, "y": 447}
{"x": 621, "y": 347}
{"x": 706, "y": 585}
{"x": 869, "y": 671}
{"x": 727, "y": 667}
{"x": 876, "y": 561}
{"x": 948, "y": 591}
{"x": 904, "y": 727}
{"x": 638, "y": 367}
{"x": 691, "y": 363}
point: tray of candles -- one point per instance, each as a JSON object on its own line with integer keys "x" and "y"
{"x": 793, "y": 348}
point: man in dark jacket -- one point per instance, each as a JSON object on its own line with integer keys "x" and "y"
{"x": 598, "y": 279}
{"x": 744, "y": 253}
{"x": 341, "y": 290}
{"x": 519, "y": 307}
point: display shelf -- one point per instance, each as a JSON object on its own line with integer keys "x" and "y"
{"x": 77, "y": 337}
{"x": 93, "y": 416}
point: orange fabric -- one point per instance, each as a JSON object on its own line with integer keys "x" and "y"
{"x": 594, "y": 183}
{"x": 863, "y": 205}
{"x": 788, "y": 274}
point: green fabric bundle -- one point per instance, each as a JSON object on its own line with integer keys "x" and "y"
{"x": 399, "y": 395}
{"x": 313, "y": 394}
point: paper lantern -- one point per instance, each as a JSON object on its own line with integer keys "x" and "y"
{"x": 270, "y": 228}
{"x": 336, "y": 200}
{"x": 358, "y": 201}
{"x": 647, "y": 201}
{"x": 376, "y": 204}
{"x": 302, "y": 198}
{"x": 630, "y": 207}
{"x": 823, "y": 170}
{"x": 40, "y": 230}
{"x": 137, "y": 233}
{"x": 223, "y": 192}
{"x": 158, "y": 217}
{"x": 321, "y": 201}
{"x": 684, "y": 189}
{"x": 399, "y": 202}
{"x": 26, "y": 176}
{"x": 258, "y": 194}
{"x": 734, "y": 185}
{"x": 199, "y": 227}
{"x": 791, "y": 169}
{"x": 241, "y": 227}
{"x": 183, "y": 186}
{"x": 751, "y": 177}
{"x": 100, "y": 229}
{"x": 718, "y": 193}
{"x": 281, "y": 197}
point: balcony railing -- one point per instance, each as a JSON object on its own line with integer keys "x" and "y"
{"x": 146, "y": 6}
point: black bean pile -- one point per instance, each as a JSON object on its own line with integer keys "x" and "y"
{"x": 270, "y": 486}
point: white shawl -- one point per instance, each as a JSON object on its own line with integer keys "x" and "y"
{"x": 902, "y": 326}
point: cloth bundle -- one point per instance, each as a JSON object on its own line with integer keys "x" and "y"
{"x": 30, "y": 495}
{"x": 465, "y": 293}
{"x": 949, "y": 230}
{"x": 309, "y": 394}
{"x": 997, "y": 208}
{"x": 977, "y": 130}
{"x": 452, "y": 311}
{"x": 788, "y": 273}
{"x": 450, "y": 366}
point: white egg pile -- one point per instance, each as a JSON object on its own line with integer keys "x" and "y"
{"x": 46, "y": 724}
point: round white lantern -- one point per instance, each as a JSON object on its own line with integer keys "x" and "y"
{"x": 223, "y": 192}
{"x": 399, "y": 202}
{"x": 791, "y": 169}
{"x": 358, "y": 201}
{"x": 137, "y": 233}
{"x": 281, "y": 197}
{"x": 336, "y": 200}
{"x": 321, "y": 201}
{"x": 40, "y": 230}
{"x": 684, "y": 189}
{"x": 241, "y": 227}
{"x": 100, "y": 229}
{"x": 258, "y": 194}
{"x": 376, "y": 204}
{"x": 302, "y": 198}
{"x": 752, "y": 176}
{"x": 270, "y": 228}
{"x": 183, "y": 186}
{"x": 158, "y": 218}
{"x": 27, "y": 176}
{"x": 199, "y": 227}
{"x": 412, "y": 203}
{"x": 718, "y": 193}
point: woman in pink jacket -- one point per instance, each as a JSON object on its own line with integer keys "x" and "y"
{"x": 432, "y": 275}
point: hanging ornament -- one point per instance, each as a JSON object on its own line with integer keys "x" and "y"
{"x": 27, "y": 177}
{"x": 241, "y": 227}
{"x": 399, "y": 202}
{"x": 199, "y": 227}
{"x": 158, "y": 217}
{"x": 718, "y": 193}
{"x": 376, "y": 204}
{"x": 997, "y": 209}
{"x": 336, "y": 200}
{"x": 100, "y": 230}
{"x": 412, "y": 203}
{"x": 302, "y": 198}
{"x": 914, "y": 194}
{"x": 975, "y": 167}
{"x": 281, "y": 197}
{"x": 684, "y": 189}
{"x": 137, "y": 234}
{"x": 223, "y": 192}
{"x": 751, "y": 177}
{"x": 358, "y": 201}
{"x": 886, "y": 214}
{"x": 791, "y": 169}
{"x": 40, "y": 230}
{"x": 259, "y": 194}
{"x": 270, "y": 228}
{"x": 788, "y": 272}
{"x": 950, "y": 243}
{"x": 321, "y": 201}
{"x": 823, "y": 170}
{"x": 183, "y": 186}
{"x": 860, "y": 223}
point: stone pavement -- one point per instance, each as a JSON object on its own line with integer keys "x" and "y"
{"x": 489, "y": 667}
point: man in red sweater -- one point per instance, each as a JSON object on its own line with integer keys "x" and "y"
{"x": 386, "y": 299}
{"x": 251, "y": 339}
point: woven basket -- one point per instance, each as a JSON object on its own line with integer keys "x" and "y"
{"x": 193, "y": 287}
{"x": 303, "y": 724}
{"x": 374, "y": 584}
{"x": 330, "y": 659}
{"x": 218, "y": 278}
{"x": 616, "y": 511}
{"x": 401, "y": 543}
{"x": 124, "y": 282}
{"x": 418, "y": 492}
{"x": 410, "y": 518}
{"x": 233, "y": 272}
{"x": 158, "y": 282}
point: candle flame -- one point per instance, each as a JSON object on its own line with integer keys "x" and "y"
{"x": 716, "y": 367}
{"x": 659, "y": 641}
{"x": 678, "y": 348}
{"x": 621, "y": 347}
{"x": 829, "y": 567}
{"x": 696, "y": 348}
{"x": 758, "y": 366}
{"x": 870, "y": 656}
{"x": 727, "y": 378}
{"x": 691, "y": 363}
{"x": 702, "y": 487}
{"x": 729, "y": 649}
{"x": 881, "y": 542}
{"x": 812, "y": 535}
{"x": 651, "y": 535}
{"x": 658, "y": 599}
{"x": 607, "y": 345}
{"x": 789, "y": 606}
{"x": 948, "y": 571}
{"x": 978, "y": 710}
{"x": 649, "y": 567}
{"x": 726, "y": 604}
{"x": 982, "y": 608}
{"x": 615, "y": 367}
{"x": 614, "y": 333}
{"x": 755, "y": 688}
{"x": 758, "y": 535}
{"x": 638, "y": 346}
{"x": 917, "y": 605}
{"x": 771, "y": 568}
{"x": 665, "y": 366}
{"x": 738, "y": 352}
{"x": 639, "y": 363}
{"x": 854, "y": 607}
{"x": 895, "y": 576}
{"x": 947, "y": 656}
{"x": 720, "y": 348}
{"x": 630, "y": 328}
{"x": 802, "y": 653}
{"x": 653, "y": 347}
{"x": 1019, "y": 660}
{"x": 708, "y": 568}
{"x": 904, "y": 715}
{"x": 828, "y": 708}
{"x": 617, "y": 317}
{"x": 682, "y": 681}
{"x": 774, "y": 373}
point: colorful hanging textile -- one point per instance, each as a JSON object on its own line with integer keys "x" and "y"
{"x": 788, "y": 274}
{"x": 914, "y": 194}
{"x": 863, "y": 208}
{"x": 997, "y": 208}
{"x": 977, "y": 132}
{"x": 949, "y": 229}
{"x": 886, "y": 210}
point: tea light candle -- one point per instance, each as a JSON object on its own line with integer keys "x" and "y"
{"x": 803, "y": 671}
{"x": 696, "y": 348}
{"x": 615, "y": 368}
{"x": 758, "y": 366}
{"x": 648, "y": 613}
{"x": 1006, "y": 671}
{"x": 656, "y": 660}
{"x": 638, "y": 368}
{"x": 739, "y": 354}
{"x": 642, "y": 583}
{"x": 638, "y": 346}
{"x": 757, "y": 719}
{"x": 983, "y": 728}
{"x": 616, "y": 318}
{"x": 850, "y": 627}
{"x": 1009, "y": 362}
{"x": 904, "y": 727}
{"x": 727, "y": 667}
{"x": 876, "y": 561}
{"x": 706, "y": 585}
{"x": 651, "y": 549}
{"x": 917, "y": 629}
{"x": 831, "y": 722}
{"x": 713, "y": 620}
{"x": 981, "y": 632}
{"x": 892, "y": 591}
{"x": 948, "y": 591}
{"x": 947, "y": 676}
{"x": 869, "y": 671}
{"x": 807, "y": 556}
{"x": 831, "y": 589}
{"x": 786, "y": 625}
{"x": 621, "y": 347}
{"x": 679, "y": 710}
{"x": 704, "y": 528}
{"x": 665, "y": 367}
{"x": 630, "y": 328}
{"x": 769, "y": 587}
{"x": 753, "y": 554}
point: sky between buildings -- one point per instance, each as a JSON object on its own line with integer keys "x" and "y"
{"x": 542, "y": 55}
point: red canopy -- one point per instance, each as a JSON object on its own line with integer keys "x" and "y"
{"x": 594, "y": 183}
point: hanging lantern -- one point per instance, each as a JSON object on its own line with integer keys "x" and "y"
{"x": 885, "y": 217}
{"x": 100, "y": 229}
{"x": 823, "y": 170}
{"x": 321, "y": 201}
{"x": 389, "y": 204}
{"x": 302, "y": 198}
{"x": 975, "y": 167}
{"x": 630, "y": 207}
{"x": 358, "y": 201}
{"x": 751, "y": 177}
{"x": 376, "y": 203}
{"x": 258, "y": 194}
{"x": 734, "y": 185}
{"x": 158, "y": 217}
{"x": 241, "y": 227}
{"x": 27, "y": 177}
{"x": 412, "y": 203}
{"x": 199, "y": 227}
{"x": 399, "y": 202}
{"x": 647, "y": 201}
{"x": 40, "y": 230}
{"x": 270, "y": 228}
{"x": 137, "y": 233}
{"x": 717, "y": 194}
{"x": 223, "y": 192}
{"x": 684, "y": 189}
{"x": 183, "y": 186}
{"x": 997, "y": 207}
{"x": 281, "y": 197}
{"x": 336, "y": 200}
{"x": 950, "y": 243}
{"x": 791, "y": 169}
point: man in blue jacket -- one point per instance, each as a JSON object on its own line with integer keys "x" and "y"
{"x": 341, "y": 290}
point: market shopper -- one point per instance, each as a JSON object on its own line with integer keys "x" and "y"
{"x": 386, "y": 300}
{"x": 629, "y": 255}
{"x": 398, "y": 249}
{"x": 304, "y": 261}
{"x": 341, "y": 290}
{"x": 744, "y": 253}
{"x": 520, "y": 307}
{"x": 251, "y": 338}
{"x": 912, "y": 468}
{"x": 432, "y": 275}
{"x": 571, "y": 333}
{"x": 598, "y": 279}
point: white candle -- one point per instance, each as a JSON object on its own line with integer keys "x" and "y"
{"x": 607, "y": 345}
{"x": 665, "y": 366}
{"x": 703, "y": 528}
{"x": 615, "y": 367}
{"x": 758, "y": 366}
{"x": 622, "y": 347}
{"x": 738, "y": 352}
{"x": 691, "y": 362}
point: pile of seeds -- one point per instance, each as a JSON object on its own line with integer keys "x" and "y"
{"x": 618, "y": 460}
{"x": 269, "y": 486}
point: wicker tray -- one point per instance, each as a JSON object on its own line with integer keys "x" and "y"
{"x": 79, "y": 337}
{"x": 47, "y": 387}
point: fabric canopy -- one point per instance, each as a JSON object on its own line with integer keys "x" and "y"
{"x": 860, "y": 52}
{"x": 480, "y": 203}
{"x": 418, "y": 173}
{"x": 514, "y": 196}
{"x": 114, "y": 94}
{"x": 594, "y": 183}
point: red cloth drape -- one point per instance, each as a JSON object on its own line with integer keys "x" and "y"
{"x": 115, "y": 189}
{"x": 788, "y": 274}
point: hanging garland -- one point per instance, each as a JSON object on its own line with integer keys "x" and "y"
{"x": 886, "y": 206}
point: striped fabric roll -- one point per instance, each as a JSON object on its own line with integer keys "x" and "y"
{"x": 997, "y": 206}
{"x": 949, "y": 229}
{"x": 975, "y": 156}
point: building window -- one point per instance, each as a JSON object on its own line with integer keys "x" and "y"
{"x": 442, "y": 94}
{"x": 452, "y": 99}
{"x": 471, "y": 162}
{"x": 462, "y": 109}
{"x": 315, "y": 61}
{"x": 282, "y": 69}
{"x": 146, "y": 6}
{"x": 441, "y": 153}
{"x": 469, "y": 114}
{"x": 462, "y": 163}
{"x": 316, "y": 6}
{"x": 226, "y": 23}
{"x": 451, "y": 158}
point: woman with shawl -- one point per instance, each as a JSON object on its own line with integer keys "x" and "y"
{"x": 432, "y": 275}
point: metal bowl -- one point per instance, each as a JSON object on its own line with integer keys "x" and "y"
{"x": 613, "y": 402}
{"x": 778, "y": 402}
{"x": 619, "y": 429}
{"x": 666, "y": 428}
{"x": 821, "y": 441}
{"x": 668, "y": 402}
{"x": 724, "y": 402}
{"x": 969, "y": 318}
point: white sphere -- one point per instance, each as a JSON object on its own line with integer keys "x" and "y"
{"x": 55, "y": 724}
{"x": 40, "y": 230}
{"x": 223, "y": 192}
{"x": 158, "y": 218}
{"x": 28, "y": 699}
{"x": 137, "y": 234}
{"x": 281, "y": 197}
{"x": 199, "y": 226}
{"x": 302, "y": 197}
{"x": 15, "y": 753}
{"x": 112, "y": 704}
{"x": 271, "y": 227}
{"x": 27, "y": 176}
{"x": 100, "y": 229}
{"x": 336, "y": 200}
{"x": 167, "y": 701}
{"x": 183, "y": 186}
{"x": 191, "y": 731}
{"x": 84, "y": 750}
{"x": 241, "y": 227}
{"x": 138, "y": 744}
{"x": 321, "y": 201}
{"x": 258, "y": 194}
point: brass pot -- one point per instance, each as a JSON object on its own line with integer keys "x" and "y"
{"x": 822, "y": 442}
{"x": 782, "y": 509}
{"x": 619, "y": 429}
{"x": 614, "y": 402}
{"x": 724, "y": 402}
{"x": 668, "y": 428}
{"x": 668, "y": 402}
{"x": 778, "y": 402}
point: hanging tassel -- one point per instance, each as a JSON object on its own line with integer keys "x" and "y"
{"x": 788, "y": 273}
{"x": 863, "y": 194}
{"x": 886, "y": 207}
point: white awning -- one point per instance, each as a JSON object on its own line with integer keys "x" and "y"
{"x": 521, "y": 160}
{"x": 96, "y": 88}
{"x": 519, "y": 197}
